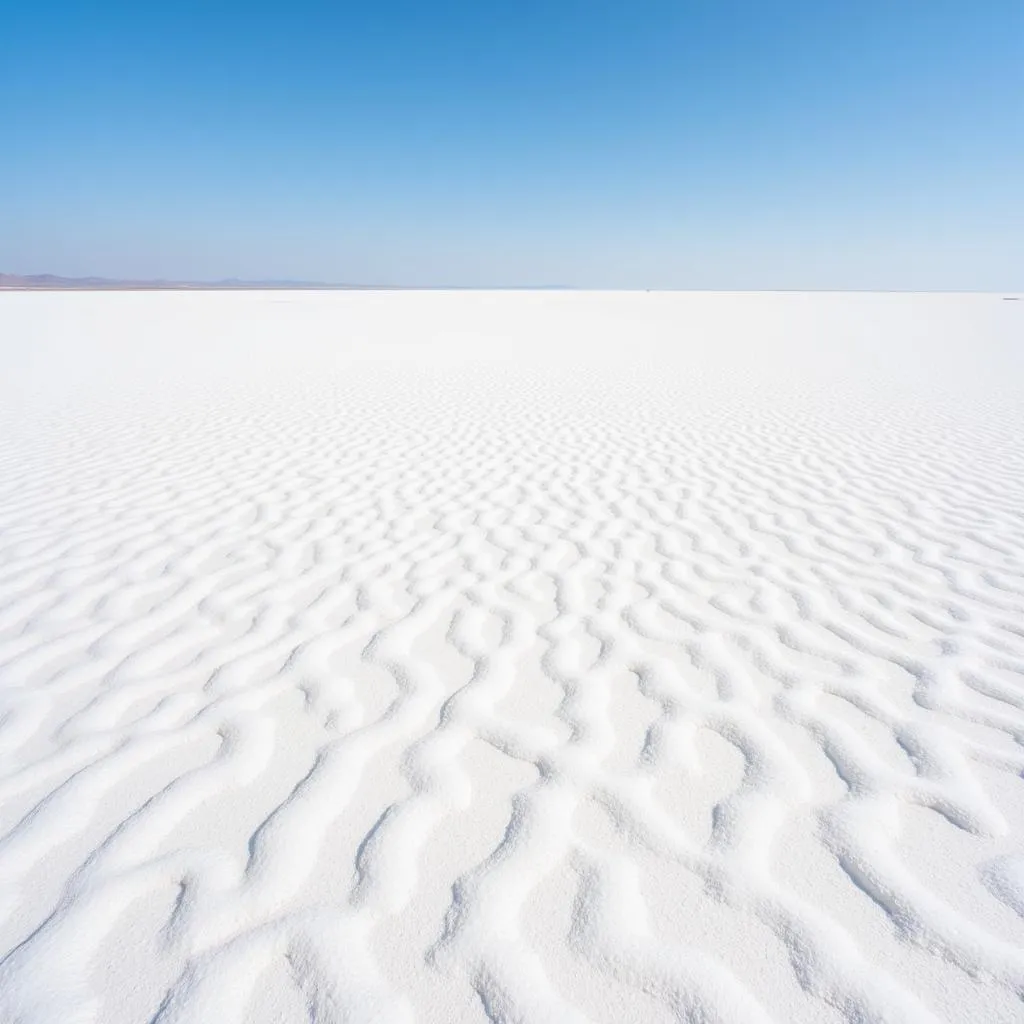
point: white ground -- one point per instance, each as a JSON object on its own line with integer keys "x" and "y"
{"x": 546, "y": 657}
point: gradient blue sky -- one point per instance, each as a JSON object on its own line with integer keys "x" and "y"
{"x": 730, "y": 144}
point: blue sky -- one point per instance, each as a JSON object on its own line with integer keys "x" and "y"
{"x": 728, "y": 144}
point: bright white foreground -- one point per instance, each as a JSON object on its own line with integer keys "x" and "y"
{"x": 539, "y": 657}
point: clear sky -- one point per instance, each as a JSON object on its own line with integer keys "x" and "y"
{"x": 711, "y": 144}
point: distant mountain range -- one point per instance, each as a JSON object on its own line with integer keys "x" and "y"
{"x": 51, "y": 282}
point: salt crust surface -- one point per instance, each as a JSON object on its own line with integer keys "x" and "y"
{"x": 515, "y": 656}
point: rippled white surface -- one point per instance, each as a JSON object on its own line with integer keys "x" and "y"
{"x": 532, "y": 657}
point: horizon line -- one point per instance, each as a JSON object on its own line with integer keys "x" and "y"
{"x": 56, "y": 283}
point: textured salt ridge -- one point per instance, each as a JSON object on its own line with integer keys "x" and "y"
{"x": 335, "y": 631}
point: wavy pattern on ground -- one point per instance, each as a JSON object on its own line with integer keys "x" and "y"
{"x": 523, "y": 658}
